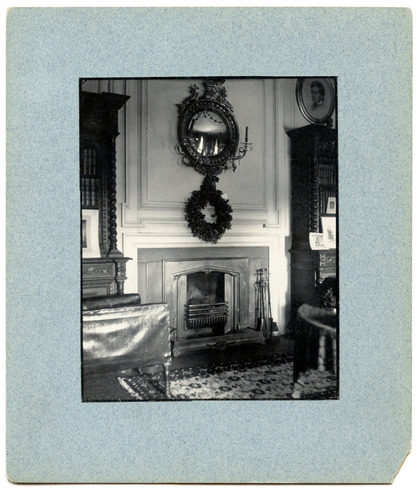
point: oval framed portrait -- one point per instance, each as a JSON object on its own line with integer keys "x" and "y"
{"x": 316, "y": 99}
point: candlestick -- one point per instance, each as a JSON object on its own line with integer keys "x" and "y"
{"x": 246, "y": 134}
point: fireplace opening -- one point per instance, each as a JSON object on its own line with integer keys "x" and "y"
{"x": 206, "y": 310}
{"x": 207, "y": 300}
{"x": 208, "y": 296}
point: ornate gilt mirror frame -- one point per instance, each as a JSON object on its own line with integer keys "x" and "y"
{"x": 208, "y": 134}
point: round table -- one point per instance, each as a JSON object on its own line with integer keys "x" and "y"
{"x": 311, "y": 319}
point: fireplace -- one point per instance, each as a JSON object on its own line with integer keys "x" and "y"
{"x": 206, "y": 299}
{"x": 206, "y": 310}
{"x": 210, "y": 294}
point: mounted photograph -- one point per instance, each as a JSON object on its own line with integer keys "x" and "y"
{"x": 208, "y": 250}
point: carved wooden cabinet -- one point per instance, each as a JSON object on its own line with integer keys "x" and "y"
{"x": 314, "y": 178}
{"x": 104, "y": 273}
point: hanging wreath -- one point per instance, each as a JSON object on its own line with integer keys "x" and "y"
{"x": 208, "y": 195}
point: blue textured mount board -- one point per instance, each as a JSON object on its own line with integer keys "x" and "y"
{"x": 53, "y": 437}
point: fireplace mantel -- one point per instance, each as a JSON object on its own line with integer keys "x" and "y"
{"x": 148, "y": 251}
{"x": 164, "y": 274}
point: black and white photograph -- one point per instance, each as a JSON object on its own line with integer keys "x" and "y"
{"x": 214, "y": 311}
{"x": 205, "y": 193}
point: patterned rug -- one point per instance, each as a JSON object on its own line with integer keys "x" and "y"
{"x": 270, "y": 378}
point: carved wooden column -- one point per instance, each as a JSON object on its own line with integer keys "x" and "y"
{"x": 105, "y": 274}
{"x": 112, "y": 200}
{"x": 314, "y": 172}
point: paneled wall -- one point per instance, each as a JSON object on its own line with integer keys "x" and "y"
{"x": 153, "y": 185}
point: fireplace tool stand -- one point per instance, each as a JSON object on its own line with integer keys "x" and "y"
{"x": 263, "y": 316}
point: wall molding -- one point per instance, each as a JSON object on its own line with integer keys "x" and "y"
{"x": 149, "y": 222}
{"x": 139, "y": 209}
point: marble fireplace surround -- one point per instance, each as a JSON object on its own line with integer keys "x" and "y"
{"x": 157, "y": 266}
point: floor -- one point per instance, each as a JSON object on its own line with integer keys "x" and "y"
{"x": 105, "y": 387}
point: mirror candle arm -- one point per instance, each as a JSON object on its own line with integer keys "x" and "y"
{"x": 242, "y": 151}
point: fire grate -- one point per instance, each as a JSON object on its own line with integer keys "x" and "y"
{"x": 206, "y": 315}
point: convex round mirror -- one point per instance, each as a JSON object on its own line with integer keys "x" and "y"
{"x": 207, "y": 131}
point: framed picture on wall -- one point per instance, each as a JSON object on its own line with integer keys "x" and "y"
{"x": 316, "y": 99}
{"x": 332, "y": 205}
{"x": 316, "y": 241}
{"x": 90, "y": 234}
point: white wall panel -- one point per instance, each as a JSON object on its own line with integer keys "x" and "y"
{"x": 153, "y": 185}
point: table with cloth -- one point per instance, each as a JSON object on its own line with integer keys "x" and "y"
{"x": 132, "y": 336}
